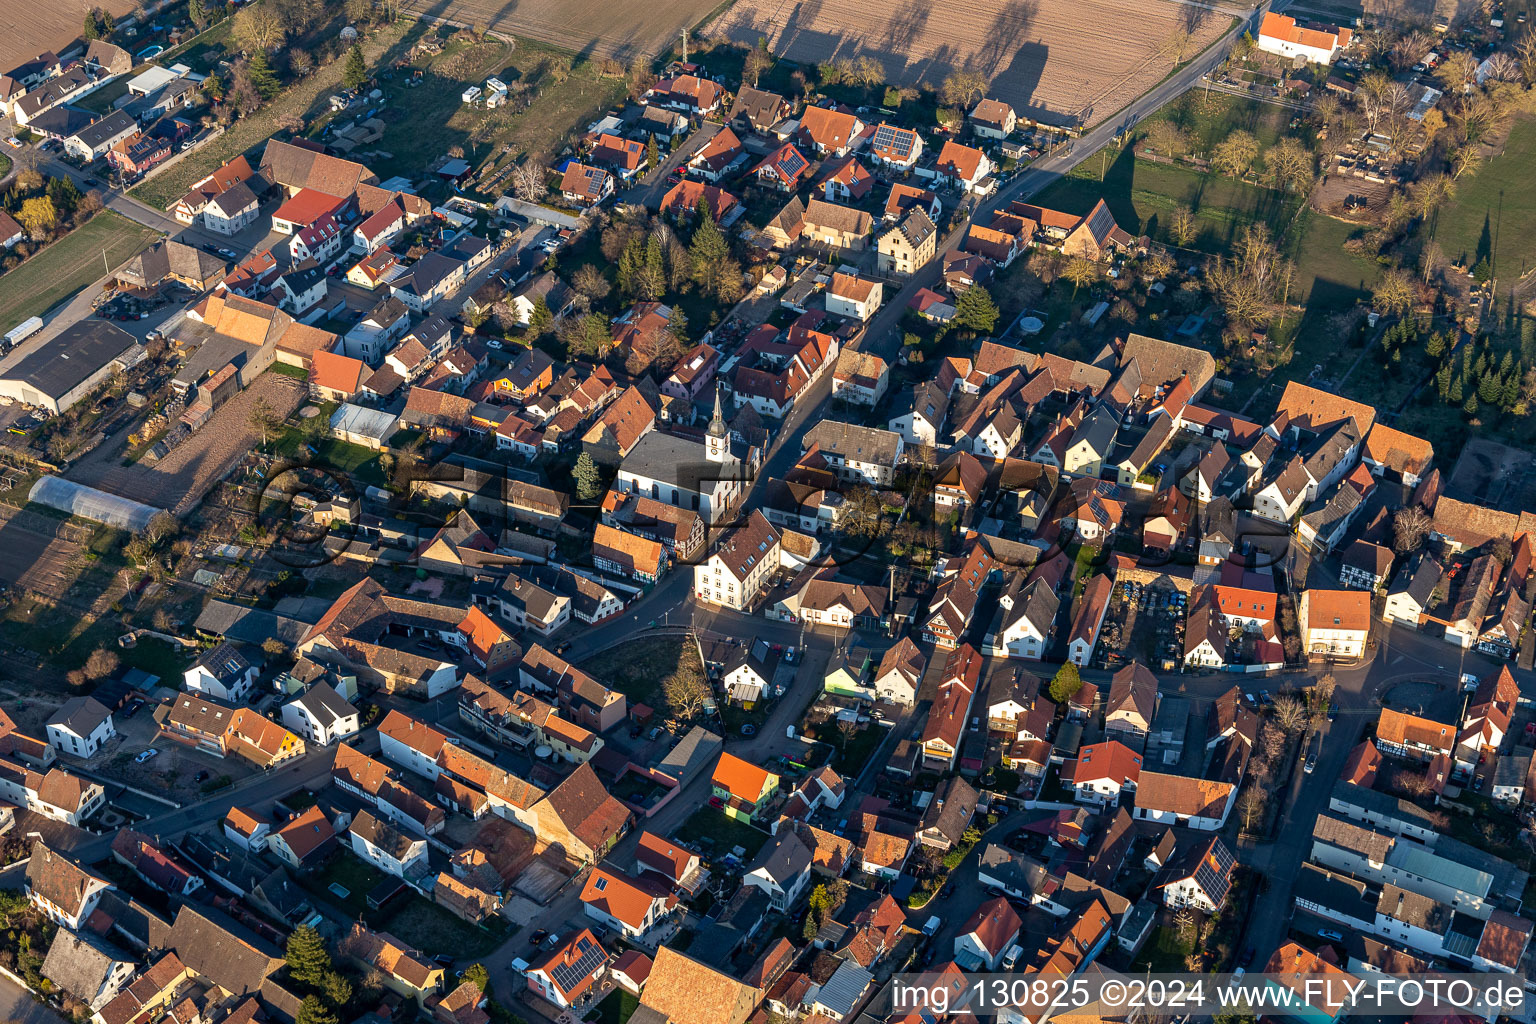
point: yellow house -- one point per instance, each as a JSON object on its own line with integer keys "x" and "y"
{"x": 405, "y": 970}
{"x": 743, "y": 788}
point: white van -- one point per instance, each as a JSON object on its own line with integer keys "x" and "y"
{"x": 932, "y": 926}
{"x": 1011, "y": 958}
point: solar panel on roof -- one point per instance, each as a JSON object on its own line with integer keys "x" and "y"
{"x": 793, "y": 163}
{"x": 569, "y": 975}
{"x": 884, "y": 136}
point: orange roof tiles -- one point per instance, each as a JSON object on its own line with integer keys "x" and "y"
{"x": 741, "y": 779}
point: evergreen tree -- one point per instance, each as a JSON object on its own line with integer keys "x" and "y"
{"x": 654, "y": 264}
{"x": 650, "y": 153}
{"x": 355, "y": 72}
{"x": 589, "y": 482}
{"x": 1506, "y": 363}
{"x": 1455, "y": 392}
{"x": 64, "y": 193}
{"x": 1470, "y": 405}
{"x": 1511, "y": 393}
{"x": 313, "y": 1011}
{"x": 708, "y": 249}
{"x": 1489, "y": 387}
{"x": 308, "y": 959}
{"x": 976, "y": 310}
{"x": 1443, "y": 382}
{"x": 1066, "y": 682}
{"x": 262, "y": 77}
{"x": 196, "y": 12}
{"x": 336, "y": 989}
{"x": 478, "y": 976}
{"x": 1435, "y": 346}
{"x": 630, "y": 261}
{"x": 540, "y": 319}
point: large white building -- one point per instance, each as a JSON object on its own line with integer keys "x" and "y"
{"x": 740, "y": 566}
{"x": 1279, "y": 34}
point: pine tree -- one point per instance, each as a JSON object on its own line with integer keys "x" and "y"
{"x": 313, "y": 1011}
{"x": 653, "y": 259}
{"x": 630, "y": 260}
{"x": 1489, "y": 387}
{"x": 308, "y": 959}
{"x": 1443, "y": 382}
{"x": 540, "y": 319}
{"x": 1435, "y": 346}
{"x": 262, "y": 78}
{"x": 1470, "y": 405}
{"x": 976, "y": 310}
{"x": 196, "y": 12}
{"x": 708, "y": 249}
{"x": 355, "y": 72}
{"x": 1456, "y": 391}
{"x": 650, "y": 153}
{"x": 1511, "y": 393}
{"x": 589, "y": 482}
{"x": 1066, "y": 683}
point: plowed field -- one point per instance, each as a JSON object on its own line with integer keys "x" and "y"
{"x": 1055, "y": 61}
{"x": 27, "y": 29}
{"x": 608, "y": 28}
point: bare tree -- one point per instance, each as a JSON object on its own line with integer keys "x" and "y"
{"x": 962, "y": 89}
{"x": 1409, "y": 528}
{"x": 1394, "y": 293}
{"x": 259, "y": 27}
{"x": 1251, "y": 805}
{"x": 530, "y": 182}
{"x": 686, "y": 692}
{"x": 1289, "y": 714}
{"x": 1182, "y": 227}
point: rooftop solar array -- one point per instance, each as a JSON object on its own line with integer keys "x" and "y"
{"x": 589, "y": 955}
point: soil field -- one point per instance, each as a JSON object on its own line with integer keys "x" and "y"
{"x": 27, "y": 29}
{"x": 1056, "y": 61}
{"x": 179, "y": 481}
{"x": 586, "y": 26}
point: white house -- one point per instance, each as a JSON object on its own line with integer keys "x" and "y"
{"x": 900, "y": 673}
{"x": 1280, "y": 34}
{"x": 1104, "y": 771}
{"x": 62, "y": 890}
{"x": 740, "y": 566}
{"x": 411, "y": 744}
{"x": 853, "y": 296}
{"x": 629, "y": 906}
{"x": 1182, "y": 800}
{"x": 88, "y": 967}
{"x": 781, "y": 870}
{"x": 1198, "y": 875}
{"x": 1026, "y": 615}
{"x": 321, "y": 715}
{"x": 80, "y": 727}
{"x": 247, "y": 829}
{"x": 1335, "y": 623}
{"x": 987, "y": 935}
{"x": 222, "y": 673}
{"x": 232, "y": 210}
{"x": 386, "y": 847}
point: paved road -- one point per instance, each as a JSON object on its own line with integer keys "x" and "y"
{"x": 18, "y": 1007}
{"x": 651, "y": 189}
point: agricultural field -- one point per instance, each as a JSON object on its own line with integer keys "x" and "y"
{"x": 599, "y": 27}
{"x": 27, "y": 29}
{"x": 68, "y": 265}
{"x": 1494, "y": 213}
{"x": 1056, "y": 61}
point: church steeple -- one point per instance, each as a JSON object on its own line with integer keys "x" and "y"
{"x": 718, "y": 443}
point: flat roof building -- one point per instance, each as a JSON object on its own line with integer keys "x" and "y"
{"x": 62, "y": 370}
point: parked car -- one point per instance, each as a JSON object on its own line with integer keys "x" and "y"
{"x": 229, "y": 254}
{"x": 145, "y": 755}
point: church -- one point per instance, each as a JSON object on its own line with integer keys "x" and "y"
{"x": 706, "y": 477}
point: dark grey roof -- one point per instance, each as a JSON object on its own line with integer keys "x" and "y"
{"x": 1339, "y": 893}
{"x": 80, "y": 715}
{"x": 80, "y": 963}
{"x": 676, "y": 460}
{"x": 783, "y": 859}
{"x": 325, "y": 705}
{"x": 854, "y": 442}
{"x": 107, "y": 129}
{"x": 60, "y": 365}
{"x": 234, "y": 199}
{"x": 249, "y": 625}
{"x": 1383, "y": 805}
{"x": 691, "y": 754}
{"x": 465, "y": 247}
{"x": 426, "y": 273}
{"x": 1347, "y": 835}
{"x": 1413, "y": 908}
{"x": 224, "y": 662}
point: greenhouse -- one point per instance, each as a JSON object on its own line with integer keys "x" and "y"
{"x": 89, "y": 503}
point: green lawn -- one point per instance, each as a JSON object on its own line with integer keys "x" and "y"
{"x": 68, "y": 265}
{"x": 101, "y": 100}
{"x": 428, "y": 927}
{"x": 1142, "y": 195}
{"x": 1164, "y": 952}
{"x": 5, "y": 165}
{"x": 723, "y": 831}
{"x": 615, "y": 1009}
{"x": 1494, "y": 213}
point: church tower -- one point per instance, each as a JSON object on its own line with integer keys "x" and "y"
{"x": 718, "y": 443}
